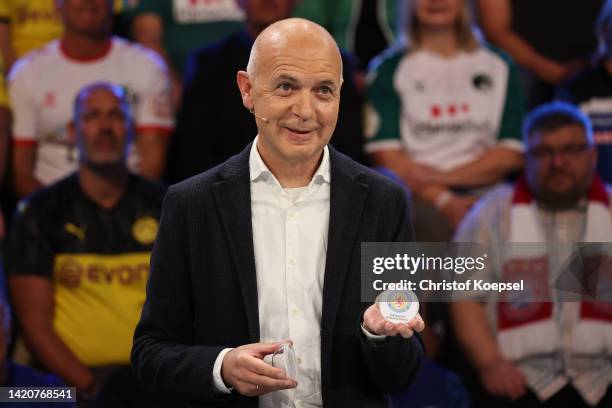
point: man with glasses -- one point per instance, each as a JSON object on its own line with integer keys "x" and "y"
{"x": 541, "y": 351}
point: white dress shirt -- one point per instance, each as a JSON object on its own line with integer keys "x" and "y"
{"x": 290, "y": 227}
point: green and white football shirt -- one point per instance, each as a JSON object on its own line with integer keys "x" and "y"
{"x": 445, "y": 112}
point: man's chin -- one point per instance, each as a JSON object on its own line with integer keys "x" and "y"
{"x": 105, "y": 165}
{"x": 560, "y": 200}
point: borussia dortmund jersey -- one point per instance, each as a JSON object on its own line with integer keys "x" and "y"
{"x": 4, "y": 101}
{"x": 444, "y": 112}
{"x": 97, "y": 259}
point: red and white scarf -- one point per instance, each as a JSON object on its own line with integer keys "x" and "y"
{"x": 528, "y": 328}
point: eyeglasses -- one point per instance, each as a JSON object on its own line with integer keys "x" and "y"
{"x": 571, "y": 151}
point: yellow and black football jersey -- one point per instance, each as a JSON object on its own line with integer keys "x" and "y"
{"x": 97, "y": 258}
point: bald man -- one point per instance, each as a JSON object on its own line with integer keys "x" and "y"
{"x": 79, "y": 254}
{"x": 265, "y": 249}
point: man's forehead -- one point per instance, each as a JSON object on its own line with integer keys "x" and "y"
{"x": 320, "y": 63}
{"x": 569, "y": 133}
{"x": 300, "y": 44}
{"x": 98, "y": 98}
{"x": 293, "y": 71}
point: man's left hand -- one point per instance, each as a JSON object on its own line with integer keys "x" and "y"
{"x": 374, "y": 322}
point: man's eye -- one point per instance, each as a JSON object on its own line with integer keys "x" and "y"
{"x": 285, "y": 87}
{"x": 325, "y": 90}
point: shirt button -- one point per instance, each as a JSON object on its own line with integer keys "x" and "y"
{"x": 292, "y": 261}
{"x": 291, "y": 214}
{"x": 295, "y": 312}
{"x": 299, "y": 360}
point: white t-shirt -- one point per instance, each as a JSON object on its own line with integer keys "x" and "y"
{"x": 445, "y": 112}
{"x": 43, "y": 86}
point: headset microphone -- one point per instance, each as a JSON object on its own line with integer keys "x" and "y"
{"x": 265, "y": 120}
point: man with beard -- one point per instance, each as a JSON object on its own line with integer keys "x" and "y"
{"x": 545, "y": 350}
{"x": 79, "y": 257}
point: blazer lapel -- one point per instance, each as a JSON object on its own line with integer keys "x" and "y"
{"x": 233, "y": 199}
{"x": 347, "y": 198}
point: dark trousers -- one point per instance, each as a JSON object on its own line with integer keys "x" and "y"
{"x": 120, "y": 389}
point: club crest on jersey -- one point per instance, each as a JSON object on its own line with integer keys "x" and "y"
{"x": 482, "y": 82}
{"x": 144, "y": 230}
{"x": 75, "y": 230}
{"x": 131, "y": 96}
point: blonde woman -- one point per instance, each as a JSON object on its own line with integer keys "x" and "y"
{"x": 444, "y": 113}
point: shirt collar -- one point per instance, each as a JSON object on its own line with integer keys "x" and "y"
{"x": 259, "y": 170}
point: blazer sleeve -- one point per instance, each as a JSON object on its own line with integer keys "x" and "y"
{"x": 164, "y": 357}
{"x": 394, "y": 363}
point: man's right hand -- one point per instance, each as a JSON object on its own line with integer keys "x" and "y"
{"x": 244, "y": 369}
{"x": 503, "y": 379}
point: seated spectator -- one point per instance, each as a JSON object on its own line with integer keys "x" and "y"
{"x": 444, "y": 114}
{"x": 5, "y": 131}
{"x": 591, "y": 90}
{"x": 213, "y": 124}
{"x": 78, "y": 256}
{"x": 363, "y": 28}
{"x": 43, "y": 85}
{"x": 549, "y": 39}
{"x": 124, "y": 15}
{"x": 5, "y": 116}
{"x": 26, "y": 25}
{"x": 533, "y": 352}
{"x": 16, "y": 375}
{"x": 174, "y": 28}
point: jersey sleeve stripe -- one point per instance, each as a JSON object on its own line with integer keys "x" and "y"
{"x": 384, "y": 144}
{"x": 513, "y": 144}
{"x": 24, "y": 141}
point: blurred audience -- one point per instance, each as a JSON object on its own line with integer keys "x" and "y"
{"x": 26, "y": 25}
{"x": 534, "y": 352}
{"x": 5, "y": 129}
{"x": 213, "y": 124}
{"x": 16, "y": 375}
{"x": 549, "y": 39}
{"x": 174, "y": 28}
{"x": 43, "y": 85}
{"x": 124, "y": 15}
{"x": 443, "y": 114}
{"x": 591, "y": 90}
{"x": 5, "y": 118}
{"x": 363, "y": 28}
{"x": 78, "y": 256}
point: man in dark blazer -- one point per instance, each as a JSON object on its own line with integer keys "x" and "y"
{"x": 232, "y": 276}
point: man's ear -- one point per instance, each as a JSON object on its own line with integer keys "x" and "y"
{"x": 594, "y": 153}
{"x": 245, "y": 86}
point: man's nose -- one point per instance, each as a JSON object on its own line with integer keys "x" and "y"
{"x": 558, "y": 159}
{"x": 303, "y": 106}
{"x": 105, "y": 122}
